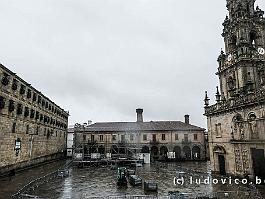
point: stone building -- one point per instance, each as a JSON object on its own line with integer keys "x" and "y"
{"x": 32, "y": 127}
{"x": 236, "y": 122}
{"x": 70, "y": 141}
{"x": 160, "y": 139}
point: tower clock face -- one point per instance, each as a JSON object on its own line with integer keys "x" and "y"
{"x": 261, "y": 51}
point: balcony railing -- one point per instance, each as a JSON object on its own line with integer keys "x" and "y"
{"x": 235, "y": 102}
{"x": 247, "y": 141}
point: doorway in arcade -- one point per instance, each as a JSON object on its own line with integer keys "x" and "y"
{"x": 258, "y": 160}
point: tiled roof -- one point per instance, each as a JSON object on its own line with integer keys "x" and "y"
{"x": 142, "y": 126}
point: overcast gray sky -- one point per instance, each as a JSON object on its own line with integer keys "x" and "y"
{"x": 102, "y": 59}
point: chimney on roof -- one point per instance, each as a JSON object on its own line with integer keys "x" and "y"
{"x": 139, "y": 112}
{"x": 187, "y": 119}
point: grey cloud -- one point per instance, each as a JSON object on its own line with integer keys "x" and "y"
{"x": 101, "y": 59}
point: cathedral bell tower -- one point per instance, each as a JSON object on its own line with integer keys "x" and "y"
{"x": 236, "y": 122}
{"x": 241, "y": 65}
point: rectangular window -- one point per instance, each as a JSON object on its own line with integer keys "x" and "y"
{"x": 11, "y": 106}
{"x": 14, "y": 85}
{"x": 195, "y": 137}
{"x": 176, "y": 136}
{"x": 39, "y": 99}
{"x": 37, "y": 130}
{"x": 27, "y": 129}
{"x": 131, "y": 137}
{"x": 34, "y": 97}
{"x": 14, "y": 127}
{"x": 92, "y": 138}
{"x": 144, "y": 137}
{"x": 218, "y": 130}
{"x": 123, "y": 138}
{"x": 19, "y": 109}
{"x": 45, "y": 132}
{"x": 101, "y": 137}
{"x": 22, "y": 89}
{"x": 163, "y": 136}
{"x": 154, "y": 137}
{"x": 114, "y": 137}
{"x": 84, "y": 137}
{"x": 186, "y": 137}
{"x": 29, "y": 93}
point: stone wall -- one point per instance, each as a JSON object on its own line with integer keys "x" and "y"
{"x": 236, "y": 132}
{"x": 30, "y": 118}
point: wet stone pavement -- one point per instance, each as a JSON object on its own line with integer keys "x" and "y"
{"x": 97, "y": 182}
{"x": 9, "y": 186}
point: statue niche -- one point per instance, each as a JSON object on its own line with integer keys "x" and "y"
{"x": 261, "y": 74}
{"x": 231, "y": 84}
{"x": 238, "y": 127}
{"x": 252, "y": 123}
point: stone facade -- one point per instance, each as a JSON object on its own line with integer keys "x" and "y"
{"x": 70, "y": 141}
{"x": 32, "y": 127}
{"x": 162, "y": 139}
{"x": 236, "y": 123}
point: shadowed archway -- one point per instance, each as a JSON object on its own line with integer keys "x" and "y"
{"x": 154, "y": 152}
{"x": 177, "y": 151}
{"x": 220, "y": 158}
{"x": 187, "y": 152}
{"x": 163, "y": 152}
{"x": 145, "y": 149}
{"x": 101, "y": 149}
{"x": 196, "y": 153}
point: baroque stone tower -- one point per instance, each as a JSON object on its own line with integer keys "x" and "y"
{"x": 236, "y": 122}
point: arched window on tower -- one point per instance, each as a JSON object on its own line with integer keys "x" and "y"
{"x": 231, "y": 83}
{"x": 232, "y": 43}
{"x": 253, "y": 39}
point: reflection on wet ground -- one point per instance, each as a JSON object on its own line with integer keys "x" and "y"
{"x": 9, "y": 186}
{"x": 101, "y": 182}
